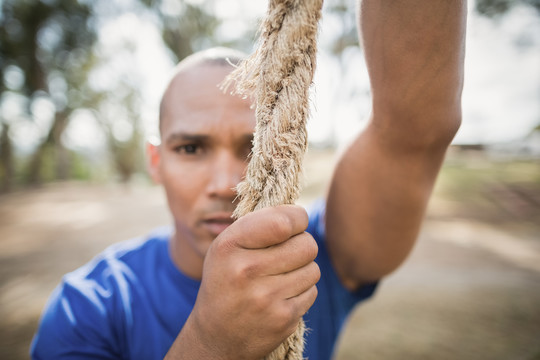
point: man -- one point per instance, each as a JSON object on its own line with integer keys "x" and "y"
{"x": 218, "y": 289}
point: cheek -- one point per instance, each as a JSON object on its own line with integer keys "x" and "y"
{"x": 183, "y": 184}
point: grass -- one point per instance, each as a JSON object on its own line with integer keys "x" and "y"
{"x": 491, "y": 190}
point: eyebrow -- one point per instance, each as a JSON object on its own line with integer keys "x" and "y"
{"x": 186, "y": 137}
{"x": 199, "y": 138}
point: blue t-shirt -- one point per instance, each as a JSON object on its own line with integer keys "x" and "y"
{"x": 131, "y": 302}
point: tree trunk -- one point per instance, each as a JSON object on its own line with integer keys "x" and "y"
{"x": 35, "y": 173}
{"x": 6, "y": 160}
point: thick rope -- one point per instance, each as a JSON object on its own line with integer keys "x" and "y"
{"x": 278, "y": 76}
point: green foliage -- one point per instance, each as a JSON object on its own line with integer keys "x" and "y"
{"x": 80, "y": 167}
{"x": 187, "y": 27}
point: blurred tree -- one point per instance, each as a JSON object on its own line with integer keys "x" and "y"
{"x": 493, "y": 8}
{"x": 348, "y": 36}
{"x": 123, "y": 128}
{"x": 6, "y": 159}
{"x": 185, "y": 27}
{"x": 51, "y": 46}
{"x": 48, "y": 44}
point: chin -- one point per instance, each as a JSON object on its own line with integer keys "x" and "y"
{"x": 203, "y": 244}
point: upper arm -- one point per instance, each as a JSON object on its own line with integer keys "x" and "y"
{"x": 375, "y": 206}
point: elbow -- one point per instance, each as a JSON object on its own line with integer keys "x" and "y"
{"x": 356, "y": 277}
{"x": 416, "y": 131}
{"x": 441, "y": 134}
{"x": 427, "y": 119}
{"x": 372, "y": 265}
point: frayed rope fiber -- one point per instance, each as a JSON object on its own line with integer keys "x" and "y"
{"x": 277, "y": 76}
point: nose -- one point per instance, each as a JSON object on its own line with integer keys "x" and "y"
{"x": 227, "y": 171}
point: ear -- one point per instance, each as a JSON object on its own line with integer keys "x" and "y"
{"x": 153, "y": 155}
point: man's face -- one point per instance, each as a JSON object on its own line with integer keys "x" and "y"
{"x": 205, "y": 141}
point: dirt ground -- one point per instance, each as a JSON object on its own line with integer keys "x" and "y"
{"x": 470, "y": 289}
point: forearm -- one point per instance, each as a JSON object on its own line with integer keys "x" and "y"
{"x": 414, "y": 50}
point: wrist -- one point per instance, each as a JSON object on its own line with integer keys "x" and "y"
{"x": 191, "y": 344}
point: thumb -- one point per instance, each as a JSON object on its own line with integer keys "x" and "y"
{"x": 267, "y": 227}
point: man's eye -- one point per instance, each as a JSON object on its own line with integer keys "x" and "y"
{"x": 188, "y": 149}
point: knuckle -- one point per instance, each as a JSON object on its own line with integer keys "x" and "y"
{"x": 317, "y": 270}
{"x": 285, "y": 319}
{"x": 223, "y": 244}
{"x": 308, "y": 300}
{"x": 309, "y": 277}
{"x": 315, "y": 293}
{"x": 304, "y": 248}
{"x": 292, "y": 327}
{"x": 261, "y": 300}
{"x": 250, "y": 270}
{"x": 281, "y": 225}
{"x": 310, "y": 246}
{"x": 298, "y": 216}
{"x": 314, "y": 273}
{"x": 303, "y": 217}
{"x": 311, "y": 296}
{"x": 244, "y": 271}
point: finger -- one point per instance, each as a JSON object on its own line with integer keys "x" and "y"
{"x": 297, "y": 282}
{"x": 284, "y": 257}
{"x": 304, "y": 301}
{"x": 268, "y": 226}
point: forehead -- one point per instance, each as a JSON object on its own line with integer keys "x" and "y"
{"x": 193, "y": 102}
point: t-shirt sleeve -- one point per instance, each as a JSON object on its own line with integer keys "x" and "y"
{"x": 334, "y": 302}
{"x": 317, "y": 229}
{"x": 75, "y": 323}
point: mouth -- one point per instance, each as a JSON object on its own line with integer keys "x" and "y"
{"x": 217, "y": 223}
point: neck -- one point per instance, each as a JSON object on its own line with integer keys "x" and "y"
{"x": 184, "y": 258}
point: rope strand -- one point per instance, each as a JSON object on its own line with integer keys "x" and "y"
{"x": 278, "y": 76}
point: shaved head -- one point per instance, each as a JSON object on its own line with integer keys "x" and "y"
{"x": 197, "y": 62}
{"x": 219, "y": 56}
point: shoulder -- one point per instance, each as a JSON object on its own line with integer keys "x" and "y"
{"x": 133, "y": 250}
{"x": 110, "y": 273}
{"x": 83, "y": 307}
{"x": 118, "y": 263}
